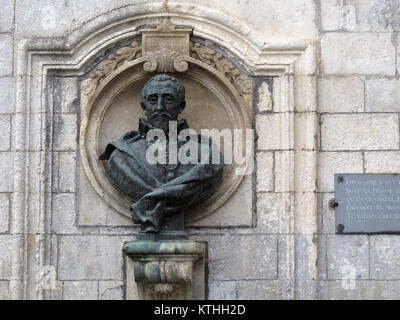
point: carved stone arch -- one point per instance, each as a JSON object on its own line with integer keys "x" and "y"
{"x": 291, "y": 61}
{"x": 126, "y": 68}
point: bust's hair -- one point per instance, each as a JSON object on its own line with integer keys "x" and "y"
{"x": 180, "y": 89}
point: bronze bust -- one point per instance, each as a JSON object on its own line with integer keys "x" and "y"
{"x": 162, "y": 190}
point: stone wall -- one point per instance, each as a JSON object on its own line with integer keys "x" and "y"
{"x": 289, "y": 251}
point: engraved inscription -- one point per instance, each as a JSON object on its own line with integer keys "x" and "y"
{"x": 368, "y": 202}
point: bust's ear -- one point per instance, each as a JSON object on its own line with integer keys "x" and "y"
{"x": 182, "y": 106}
{"x": 142, "y": 105}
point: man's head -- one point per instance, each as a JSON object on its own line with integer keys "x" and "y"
{"x": 163, "y": 99}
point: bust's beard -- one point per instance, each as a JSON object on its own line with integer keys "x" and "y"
{"x": 161, "y": 122}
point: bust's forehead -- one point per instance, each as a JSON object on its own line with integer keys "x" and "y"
{"x": 164, "y": 87}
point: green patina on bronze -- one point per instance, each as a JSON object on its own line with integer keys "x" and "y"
{"x": 161, "y": 192}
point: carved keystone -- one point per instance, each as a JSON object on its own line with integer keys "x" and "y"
{"x": 165, "y": 48}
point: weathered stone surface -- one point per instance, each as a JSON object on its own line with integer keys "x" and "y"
{"x": 360, "y": 290}
{"x": 331, "y": 15}
{"x": 264, "y": 290}
{"x": 340, "y": 95}
{"x": 269, "y": 129}
{"x": 305, "y": 93}
{"x": 376, "y": 16}
{"x": 330, "y": 163}
{"x": 6, "y": 172}
{"x": 272, "y": 215}
{"x": 347, "y": 257}
{"x": 80, "y": 290}
{"x": 222, "y": 290}
{"x": 4, "y": 290}
{"x": 293, "y": 17}
{"x": 382, "y": 95}
{"x": 382, "y": 162}
{"x": 384, "y": 251}
{"x": 283, "y": 162}
{"x": 110, "y": 290}
{"x": 363, "y": 53}
{"x": 64, "y": 213}
{"x": 7, "y": 95}
{"x": 6, "y": 16}
{"x": 90, "y": 258}
{"x": 264, "y": 98}
{"x": 306, "y": 170}
{"x": 5, "y": 132}
{"x": 65, "y": 132}
{"x": 4, "y": 212}
{"x": 265, "y": 166}
{"x": 67, "y": 172}
{"x": 231, "y": 259}
{"x": 9, "y": 248}
{"x": 6, "y": 55}
{"x": 326, "y": 213}
{"x": 305, "y": 126}
{"x": 355, "y": 131}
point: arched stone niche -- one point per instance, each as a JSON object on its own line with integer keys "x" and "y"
{"x": 289, "y": 130}
{"x": 110, "y": 104}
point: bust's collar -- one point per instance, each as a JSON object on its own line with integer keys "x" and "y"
{"x": 145, "y": 126}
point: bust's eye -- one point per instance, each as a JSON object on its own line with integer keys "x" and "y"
{"x": 152, "y": 100}
{"x": 169, "y": 99}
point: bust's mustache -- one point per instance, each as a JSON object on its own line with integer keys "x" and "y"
{"x": 161, "y": 114}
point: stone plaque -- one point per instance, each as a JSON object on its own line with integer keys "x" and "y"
{"x": 367, "y": 203}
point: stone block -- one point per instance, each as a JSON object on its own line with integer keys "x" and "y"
{"x": 306, "y": 128}
{"x": 222, "y": 290}
{"x": 341, "y": 95}
{"x": 326, "y": 213}
{"x": 64, "y": 213}
{"x": 376, "y": 16}
{"x": 347, "y": 257}
{"x": 242, "y": 257}
{"x": 6, "y": 55}
{"x": 359, "y": 132}
{"x": 9, "y": 249}
{"x": 360, "y": 290}
{"x": 272, "y": 213}
{"x": 306, "y": 171}
{"x": 264, "y": 290}
{"x": 5, "y": 132}
{"x": 110, "y": 290}
{"x": 382, "y": 162}
{"x": 67, "y": 171}
{"x": 264, "y": 98}
{"x": 6, "y": 16}
{"x": 331, "y": 15}
{"x": 65, "y": 132}
{"x": 270, "y": 128}
{"x": 382, "y": 95}
{"x": 4, "y": 212}
{"x": 305, "y": 98}
{"x": 284, "y": 160}
{"x": 361, "y": 53}
{"x": 306, "y": 217}
{"x": 6, "y": 171}
{"x": 90, "y": 257}
{"x": 385, "y": 250}
{"x": 7, "y": 95}
{"x": 4, "y": 290}
{"x": 265, "y": 176}
{"x": 330, "y": 163}
{"x": 80, "y": 290}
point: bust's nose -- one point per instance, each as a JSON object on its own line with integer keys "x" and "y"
{"x": 160, "y": 105}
